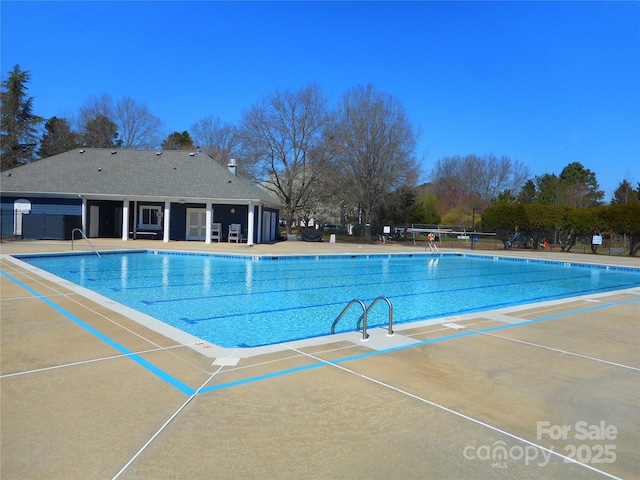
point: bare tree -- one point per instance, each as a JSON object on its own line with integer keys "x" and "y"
{"x": 221, "y": 141}
{"x": 463, "y": 181}
{"x": 501, "y": 174}
{"x": 284, "y": 137}
{"x": 94, "y": 107}
{"x": 377, "y": 153}
{"x": 137, "y": 127}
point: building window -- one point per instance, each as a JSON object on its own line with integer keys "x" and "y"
{"x": 150, "y": 217}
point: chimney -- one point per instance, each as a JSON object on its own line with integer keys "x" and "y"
{"x": 233, "y": 166}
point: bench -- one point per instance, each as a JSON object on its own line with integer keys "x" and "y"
{"x": 616, "y": 251}
{"x": 147, "y": 234}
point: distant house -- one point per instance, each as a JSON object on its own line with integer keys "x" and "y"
{"x": 129, "y": 194}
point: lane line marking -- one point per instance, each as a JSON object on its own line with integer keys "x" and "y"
{"x": 188, "y": 390}
{"x": 558, "y": 350}
{"x": 74, "y": 296}
{"x": 161, "y": 429}
{"x": 465, "y": 333}
{"x": 93, "y": 360}
{"x": 455, "y": 412}
{"x": 139, "y": 360}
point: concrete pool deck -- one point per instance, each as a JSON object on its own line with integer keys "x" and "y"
{"x": 87, "y": 393}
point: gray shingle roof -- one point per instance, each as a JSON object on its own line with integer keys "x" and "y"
{"x": 175, "y": 174}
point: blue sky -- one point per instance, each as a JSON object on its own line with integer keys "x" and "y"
{"x": 543, "y": 82}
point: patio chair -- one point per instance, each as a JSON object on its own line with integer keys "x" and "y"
{"x": 216, "y": 231}
{"x": 235, "y": 233}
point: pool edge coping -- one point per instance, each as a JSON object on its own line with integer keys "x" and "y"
{"x": 212, "y": 350}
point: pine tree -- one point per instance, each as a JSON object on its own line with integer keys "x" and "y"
{"x": 101, "y": 132}
{"x": 18, "y": 123}
{"x": 528, "y": 193}
{"x": 625, "y": 193}
{"x": 580, "y": 186}
{"x": 58, "y": 138}
{"x": 178, "y": 141}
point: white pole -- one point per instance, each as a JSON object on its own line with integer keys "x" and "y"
{"x": 125, "y": 220}
{"x": 209, "y": 219}
{"x": 250, "y": 225}
{"x": 166, "y": 218}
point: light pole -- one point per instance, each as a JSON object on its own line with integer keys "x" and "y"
{"x": 360, "y": 234}
{"x": 473, "y": 222}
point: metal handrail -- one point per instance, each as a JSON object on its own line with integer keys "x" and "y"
{"x": 433, "y": 248}
{"x": 390, "y": 329}
{"x": 73, "y": 232}
{"x": 364, "y": 315}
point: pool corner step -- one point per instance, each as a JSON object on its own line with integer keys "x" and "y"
{"x": 379, "y": 340}
{"x": 455, "y": 326}
{"x": 226, "y": 361}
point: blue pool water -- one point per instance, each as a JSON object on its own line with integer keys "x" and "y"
{"x": 248, "y": 302}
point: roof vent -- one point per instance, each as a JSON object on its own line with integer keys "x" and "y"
{"x": 113, "y": 152}
{"x": 99, "y": 169}
{"x": 233, "y": 166}
{"x": 82, "y": 151}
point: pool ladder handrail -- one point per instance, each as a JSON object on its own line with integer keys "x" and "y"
{"x": 433, "y": 248}
{"x": 363, "y": 317}
{"x": 73, "y": 234}
{"x": 371, "y": 305}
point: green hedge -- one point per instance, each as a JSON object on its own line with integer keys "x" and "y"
{"x": 569, "y": 224}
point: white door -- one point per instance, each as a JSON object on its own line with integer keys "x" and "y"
{"x": 94, "y": 221}
{"x": 266, "y": 227}
{"x": 196, "y": 223}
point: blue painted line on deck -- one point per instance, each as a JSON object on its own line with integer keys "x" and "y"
{"x": 325, "y": 364}
{"x": 266, "y": 376}
{"x": 135, "y": 357}
{"x": 190, "y": 391}
{"x": 404, "y": 347}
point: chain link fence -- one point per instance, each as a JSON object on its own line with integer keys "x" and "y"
{"x": 460, "y": 238}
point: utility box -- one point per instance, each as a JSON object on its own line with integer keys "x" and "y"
{"x": 42, "y": 226}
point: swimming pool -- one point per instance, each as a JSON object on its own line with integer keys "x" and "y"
{"x": 241, "y": 301}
